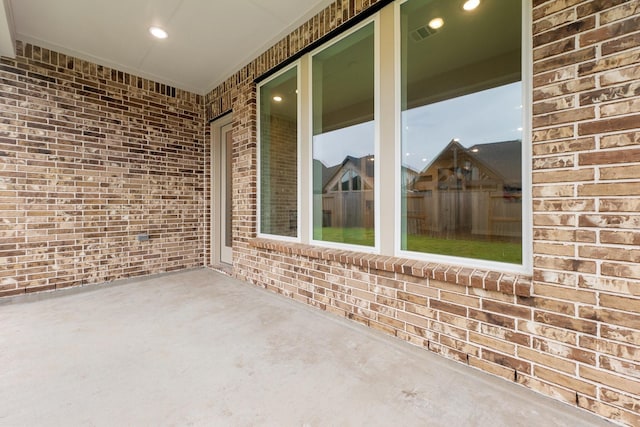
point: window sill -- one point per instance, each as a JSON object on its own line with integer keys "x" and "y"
{"x": 507, "y": 283}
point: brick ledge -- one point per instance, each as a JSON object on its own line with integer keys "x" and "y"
{"x": 507, "y": 283}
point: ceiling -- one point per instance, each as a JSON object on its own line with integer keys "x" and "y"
{"x": 208, "y": 39}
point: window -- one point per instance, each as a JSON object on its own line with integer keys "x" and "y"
{"x": 279, "y": 155}
{"x": 410, "y": 130}
{"x": 344, "y": 140}
{"x": 461, "y": 116}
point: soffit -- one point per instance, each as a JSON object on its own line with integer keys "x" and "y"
{"x": 208, "y": 40}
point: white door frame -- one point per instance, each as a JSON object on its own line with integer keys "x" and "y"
{"x": 220, "y": 201}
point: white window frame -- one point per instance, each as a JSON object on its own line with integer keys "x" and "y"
{"x": 296, "y": 65}
{"x": 376, "y": 117}
{"x": 527, "y": 224}
{"x": 387, "y": 191}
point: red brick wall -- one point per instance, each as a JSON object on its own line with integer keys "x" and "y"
{"x": 89, "y": 158}
{"x": 572, "y": 330}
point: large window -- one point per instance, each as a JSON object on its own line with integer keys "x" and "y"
{"x": 279, "y": 155}
{"x": 462, "y": 129}
{"x": 409, "y": 136}
{"x": 344, "y": 140}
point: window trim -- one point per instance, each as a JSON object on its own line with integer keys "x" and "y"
{"x": 376, "y": 118}
{"x": 259, "y": 86}
{"x": 388, "y": 19}
{"x": 527, "y": 224}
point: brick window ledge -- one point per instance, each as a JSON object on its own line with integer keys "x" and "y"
{"x": 507, "y": 283}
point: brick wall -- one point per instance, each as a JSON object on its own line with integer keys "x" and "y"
{"x": 89, "y": 158}
{"x": 572, "y": 330}
{"x": 282, "y": 203}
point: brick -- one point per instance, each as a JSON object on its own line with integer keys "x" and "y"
{"x": 609, "y": 125}
{"x": 563, "y": 176}
{"x": 609, "y": 31}
{"x": 563, "y": 88}
{"x": 565, "y": 293}
{"x": 609, "y": 157}
{"x": 620, "y": 108}
{"x": 573, "y": 205}
{"x": 562, "y": 117}
{"x": 622, "y": 367}
{"x": 610, "y": 380}
{"x": 549, "y": 8}
{"x": 449, "y": 308}
{"x": 621, "y": 400}
{"x": 567, "y": 381}
{"x": 621, "y": 75}
{"x": 492, "y": 343}
{"x": 554, "y": 249}
{"x": 491, "y": 318}
{"x": 566, "y": 322}
{"x": 566, "y": 264}
{"x": 493, "y": 368}
{"x": 558, "y": 104}
{"x": 620, "y": 303}
{"x": 620, "y": 140}
{"x": 564, "y": 351}
{"x": 553, "y": 162}
{"x": 631, "y": 271}
{"x": 448, "y": 352}
{"x": 560, "y": 393}
{"x": 568, "y": 30}
{"x": 555, "y": 133}
{"x": 508, "y": 361}
{"x": 507, "y": 309}
{"x": 554, "y": 234}
{"x": 626, "y": 320}
{"x": 619, "y": 172}
{"x": 567, "y": 279}
{"x": 609, "y": 221}
{"x": 608, "y": 253}
{"x": 549, "y": 304}
{"x": 606, "y": 284}
{"x": 566, "y": 190}
{"x": 570, "y": 58}
{"x": 623, "y": 351}
{"x": 624, "y": 10}
{"x": 555, "y": 20}
{"x": 459, "y": 299}
{"x": 548, "y": 361}
{"x": 570, "y": 146}
{"x": 463, "y": 347}
{"x": 613, "y": 413}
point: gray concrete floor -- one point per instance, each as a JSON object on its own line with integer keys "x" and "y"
{"x": 199, "y": 348}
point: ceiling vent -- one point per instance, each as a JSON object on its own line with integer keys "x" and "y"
{"x": 422, "y": 33}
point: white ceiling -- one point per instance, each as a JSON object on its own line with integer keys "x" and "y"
{"x": 208, "y": 39}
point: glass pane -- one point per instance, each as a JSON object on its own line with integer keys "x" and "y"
{"x": 344, "y": 140}
{"x": 279, "y": 155}
{"x": 462, "y": 129}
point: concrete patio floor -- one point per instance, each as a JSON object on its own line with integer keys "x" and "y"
{"x": 198, "y": 348}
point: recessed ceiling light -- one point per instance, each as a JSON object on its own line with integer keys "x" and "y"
{"x": 158, "y": 33}
{"x": 436, "y": 23}
{"x": 471, "y": 4}
{"x": 277, "y": 98}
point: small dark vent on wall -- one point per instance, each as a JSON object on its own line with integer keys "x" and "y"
{"x": 422, "y": 33}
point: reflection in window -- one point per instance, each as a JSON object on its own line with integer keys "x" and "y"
{"x": 278, "y": 155}
{"x": 343, "y": 140}
{"x": 461, "y": 130}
